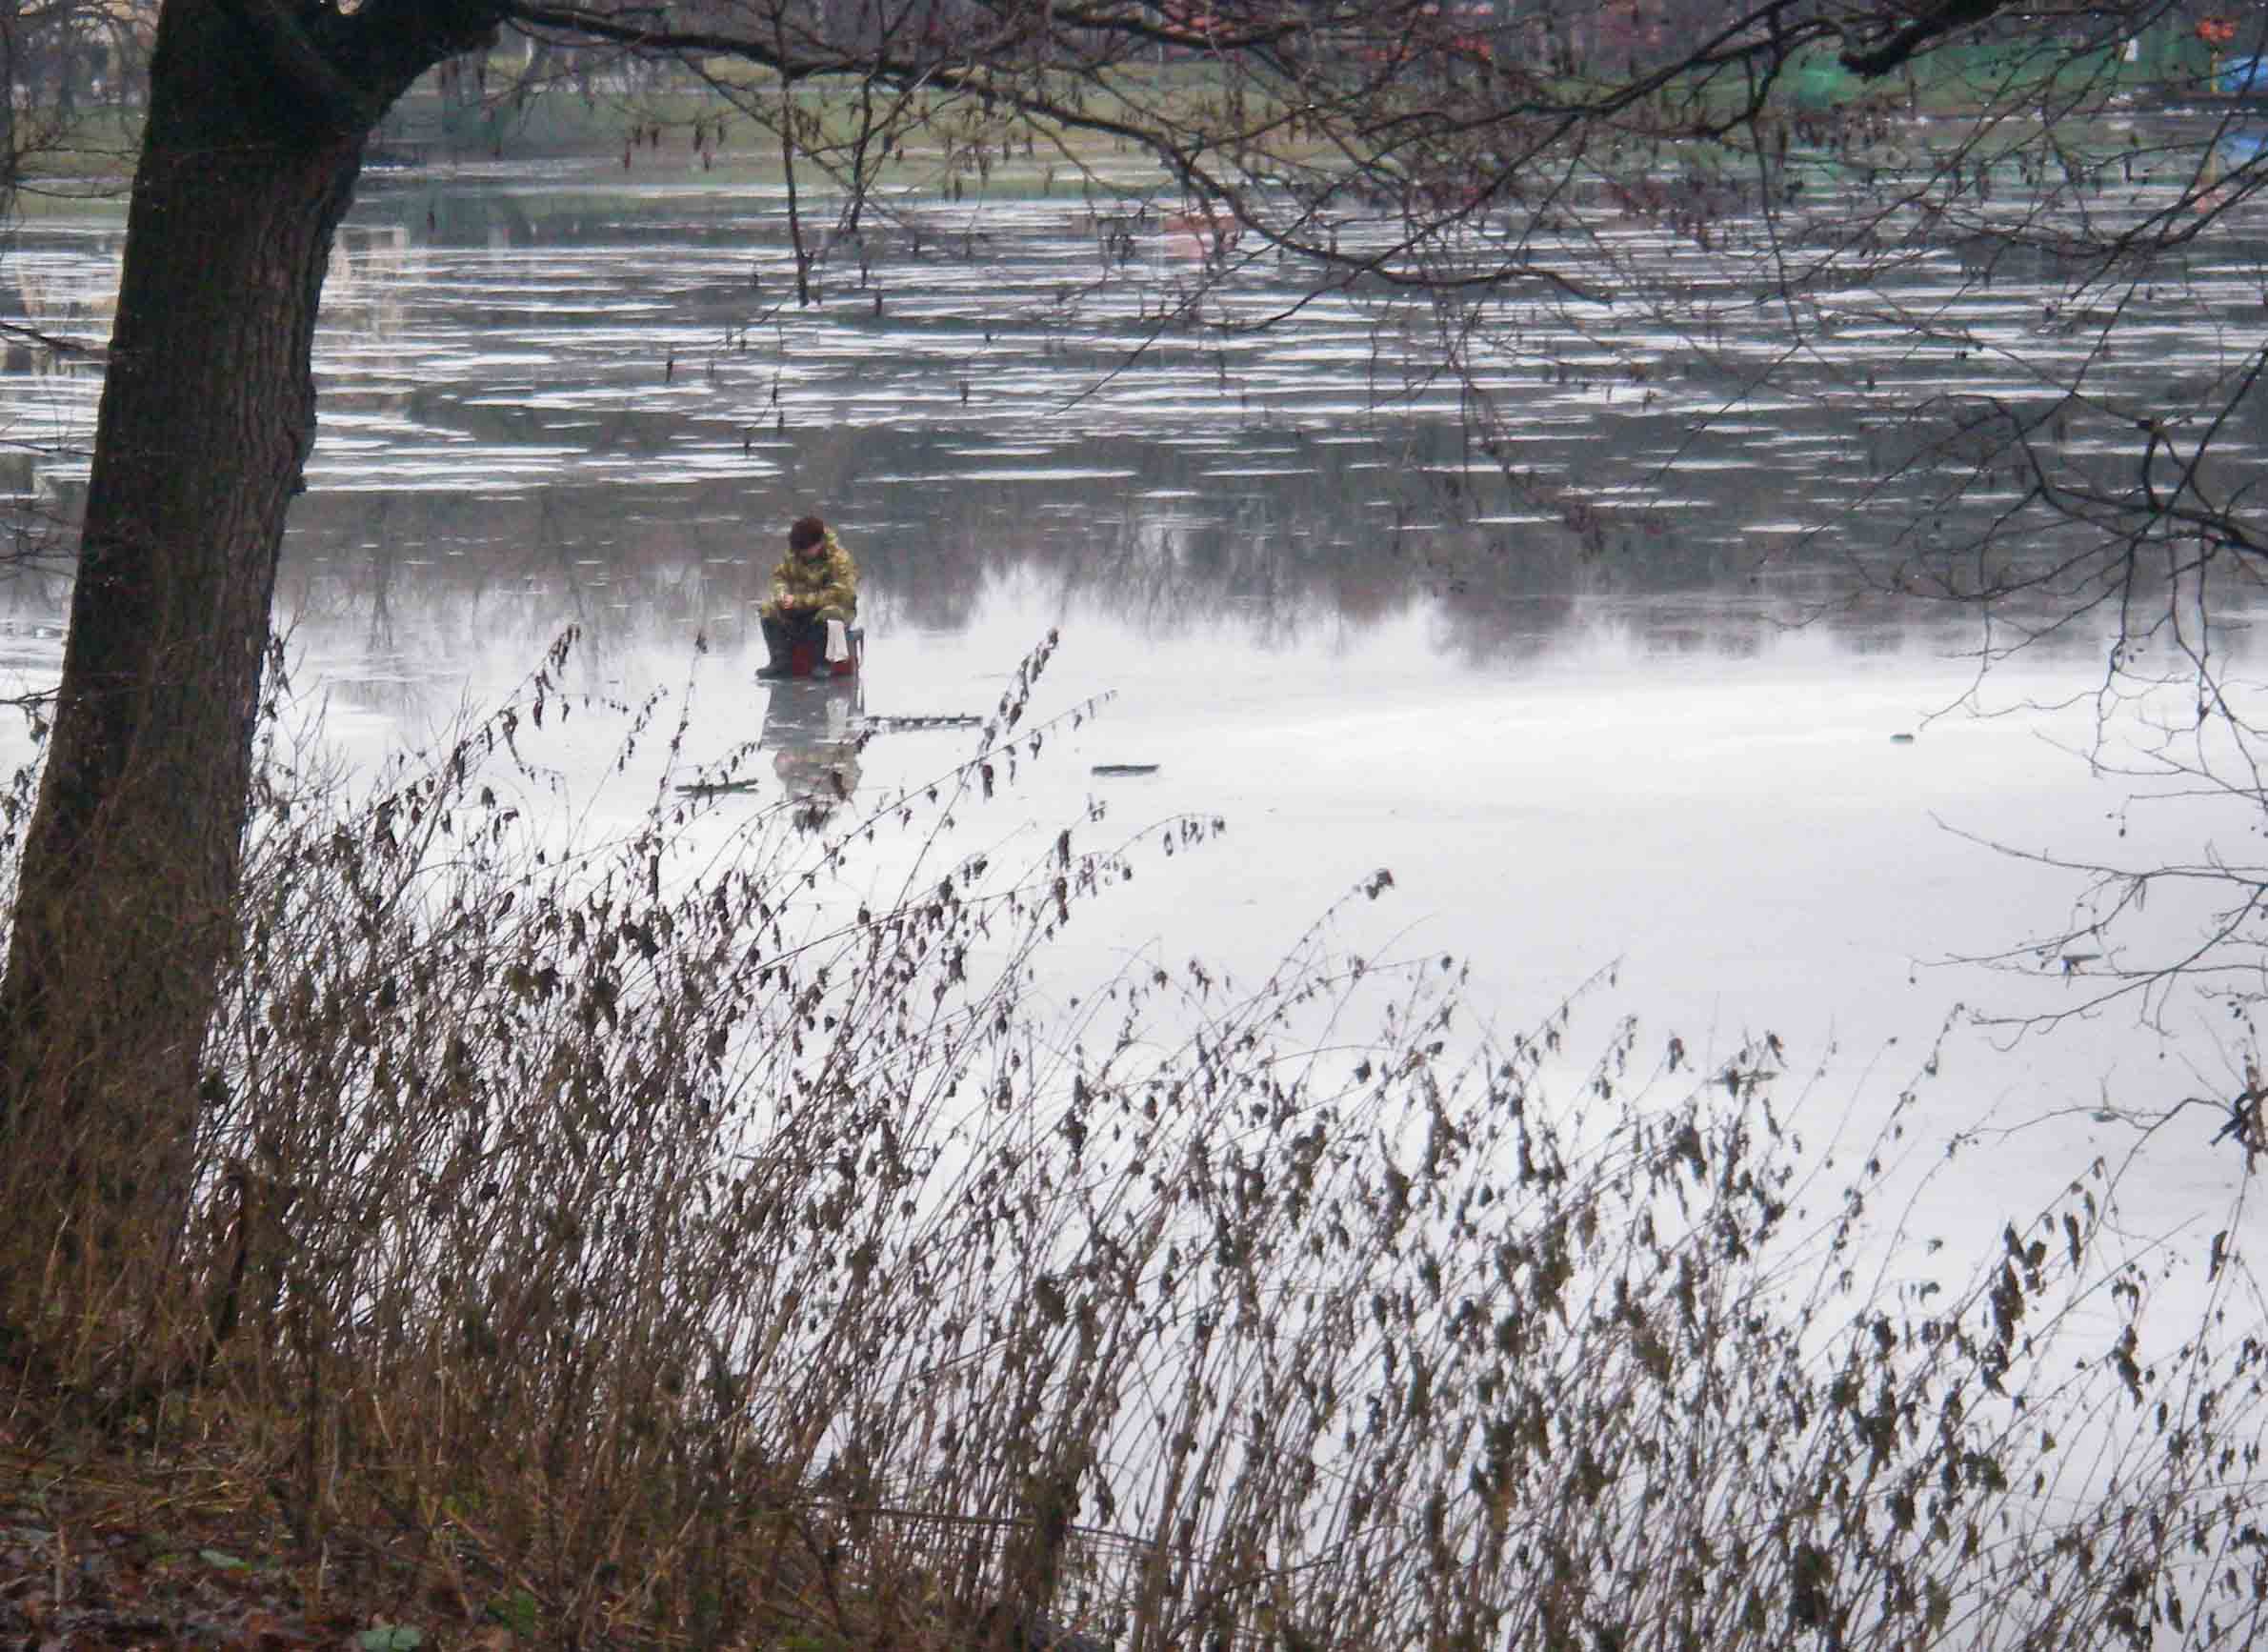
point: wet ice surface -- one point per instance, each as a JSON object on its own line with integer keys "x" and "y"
{"x": 547, "y": 401}
{"x": 1739, "y": 840}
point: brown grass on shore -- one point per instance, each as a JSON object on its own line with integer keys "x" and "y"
{"x": 617, "y": 1243}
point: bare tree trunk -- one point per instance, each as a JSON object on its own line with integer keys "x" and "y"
{"x": 130, "y": 863}
{"x": 12, "y": 80}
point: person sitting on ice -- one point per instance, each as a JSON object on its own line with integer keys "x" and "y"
{"x": 816, "y": 582}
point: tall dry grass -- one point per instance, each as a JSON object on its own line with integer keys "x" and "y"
{"x": 672, "y": 1257}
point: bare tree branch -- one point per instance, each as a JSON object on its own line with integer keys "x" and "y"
{"x": 1946, "y": 18}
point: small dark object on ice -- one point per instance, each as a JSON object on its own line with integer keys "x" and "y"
{"x": 716, "y": 788}
{"x": 895, "y": 722}
{"x": 1901, "y": 739}
{"x": 1114, "y": 769}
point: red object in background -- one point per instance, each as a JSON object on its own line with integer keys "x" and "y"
{"x": 2215, "y": 30}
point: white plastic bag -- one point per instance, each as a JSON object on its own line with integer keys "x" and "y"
{"x": 838, "y": 642}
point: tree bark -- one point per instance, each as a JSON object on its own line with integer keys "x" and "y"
{"x": 131, "y": 861}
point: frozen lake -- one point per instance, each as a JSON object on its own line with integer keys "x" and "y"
{"x": 1630, "y": 712}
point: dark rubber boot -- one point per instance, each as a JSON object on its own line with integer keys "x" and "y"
{"x": 776, "y": 645}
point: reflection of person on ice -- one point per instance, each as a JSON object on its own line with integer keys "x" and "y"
{"x": 812, "y": 735}
{"x": 815, "y": 583}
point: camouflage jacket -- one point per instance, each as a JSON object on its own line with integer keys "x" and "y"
{"x": 825, "y": 588}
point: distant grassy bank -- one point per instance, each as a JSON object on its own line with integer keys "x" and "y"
{"x": 644, "y": 121}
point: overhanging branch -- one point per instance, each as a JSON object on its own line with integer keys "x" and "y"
{"x": 1942, "y": 20}
{"x": 329, "y": 97}
{"x": 341, "y": 72}
{"x": 389, "y": 43}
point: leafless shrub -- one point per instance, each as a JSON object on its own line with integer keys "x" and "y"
{"x": 691, "y": 1262}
